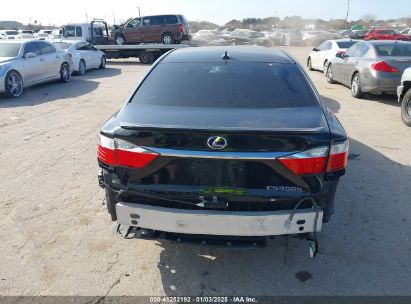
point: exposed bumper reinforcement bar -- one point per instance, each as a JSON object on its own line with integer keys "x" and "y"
{"x": 213, "y": 222}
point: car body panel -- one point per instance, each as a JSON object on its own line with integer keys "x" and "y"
{"x": 246, "y": 175}
{"x": 41, "y": 68}
{"x": 81, "y": 50}
{"x": 326, "y": 52}
{"x": 152, "y": 28}
{"x": 371, "y": 80}
{"x": 385, "y": 34}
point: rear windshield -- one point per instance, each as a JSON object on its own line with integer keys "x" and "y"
{"x": 346, "y": 44}
{"x": 233, "y": 85}
{"x": 12, "y": 33}
{"x": 394, "y": 49}
{"x": 9, "y": 49}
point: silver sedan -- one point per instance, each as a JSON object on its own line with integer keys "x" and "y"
{"x": 371, "y": 67}
{"x": 26, "y": 63}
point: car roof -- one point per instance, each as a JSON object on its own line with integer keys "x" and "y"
{"x": 236, "y": 53}
{"x": 345, "y": 39}
{"x": 381, "y": 42}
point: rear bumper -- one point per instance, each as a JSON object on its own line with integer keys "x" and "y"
{"x": 382, "y": 82}
{"x": 219, "y": 223}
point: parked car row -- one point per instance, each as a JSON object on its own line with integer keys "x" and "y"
{"x": 24, "y": 34}
{"x": 30, "y": 62}
{"x": 378, "y": 34}
{"x": 374, "y": 66}
{"x": 278, "y": 37}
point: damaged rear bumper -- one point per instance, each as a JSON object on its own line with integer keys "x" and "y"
{"x": 219, "y": 223}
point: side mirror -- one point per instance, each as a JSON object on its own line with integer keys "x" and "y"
{"x": 340, "y": 55}
{"x": 315, "y": 49}
{"x": 30, "y": 55}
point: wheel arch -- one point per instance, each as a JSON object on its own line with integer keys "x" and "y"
{"x": 407, "y": 86}
{"x": 165, "y": 33}
{"x": 355, "y": 73}
{"x": 14, "y": 70}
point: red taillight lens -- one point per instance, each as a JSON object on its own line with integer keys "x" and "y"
{"x": 106, "y": 150}
{"x": 382, "y": 66}
{"x": 180, "y": 28}
{"x": 119, "y": 153}
{"x": 313, "y": 161}
{"x": 338, "y": 158}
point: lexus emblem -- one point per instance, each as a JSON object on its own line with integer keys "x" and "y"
{"x": 217, "y": 142}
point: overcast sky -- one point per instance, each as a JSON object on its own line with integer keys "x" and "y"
{"x": 217, "y": 11}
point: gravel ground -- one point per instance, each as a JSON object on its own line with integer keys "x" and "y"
{"x": 56, "y": 234}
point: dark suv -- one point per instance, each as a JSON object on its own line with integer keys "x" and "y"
{"x": 167, "y": 29}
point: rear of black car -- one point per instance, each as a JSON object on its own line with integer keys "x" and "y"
{"x": 239, "y": 146}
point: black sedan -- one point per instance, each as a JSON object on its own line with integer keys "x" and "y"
{"x": 371, "y": 67}
{"x": 223, "y": 141}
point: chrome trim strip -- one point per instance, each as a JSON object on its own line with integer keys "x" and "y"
{"x": 141, "y": 127}
{"x": 218, "y": 154}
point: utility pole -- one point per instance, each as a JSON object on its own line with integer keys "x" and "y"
{"x": 139, "y": 15}
{"x": 348, "y": 13}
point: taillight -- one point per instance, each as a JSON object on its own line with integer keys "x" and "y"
{"x": 318, "y": 160}
{"x": 180, "y": 28}
{"x": 338, "y": 157}
{"x": 106, "y": 150}
{"x": 120, "y": 153}
{"x": 382, "y": 66}
{"x": 313, "y": 161}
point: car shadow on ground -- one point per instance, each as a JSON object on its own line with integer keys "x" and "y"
{"x": 331, "y": 104}
{"x": 48, "y": 92}
{"x": 363, "y": 249}
{"x": 391, "y": 100}
{"x": 100, "y": 73}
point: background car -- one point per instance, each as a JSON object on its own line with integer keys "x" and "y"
{"x": 406, "y": 31}
{"x": 167, "y": 29}
{"x": 287, "y": 37}
{"x": 56, "y": 34}
{"x": 208, "y": 38}
{"x": 44, "y": 33}
{"x": 371, "y": 66}
{"x": 83, "y": 54}
{"x": 26, "y": 34}
{"x": 8, "y": 34}
{"x": 386, "y": 35}
{"x": 26, "y": 63}
{"x": 359, "y": 34}
{"x": 404, "y": 96}
{"x": 320, "y": 57}
{"x": 248, "y": 37}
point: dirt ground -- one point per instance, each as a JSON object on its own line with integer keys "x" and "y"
{"x": 56, "y": 234}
